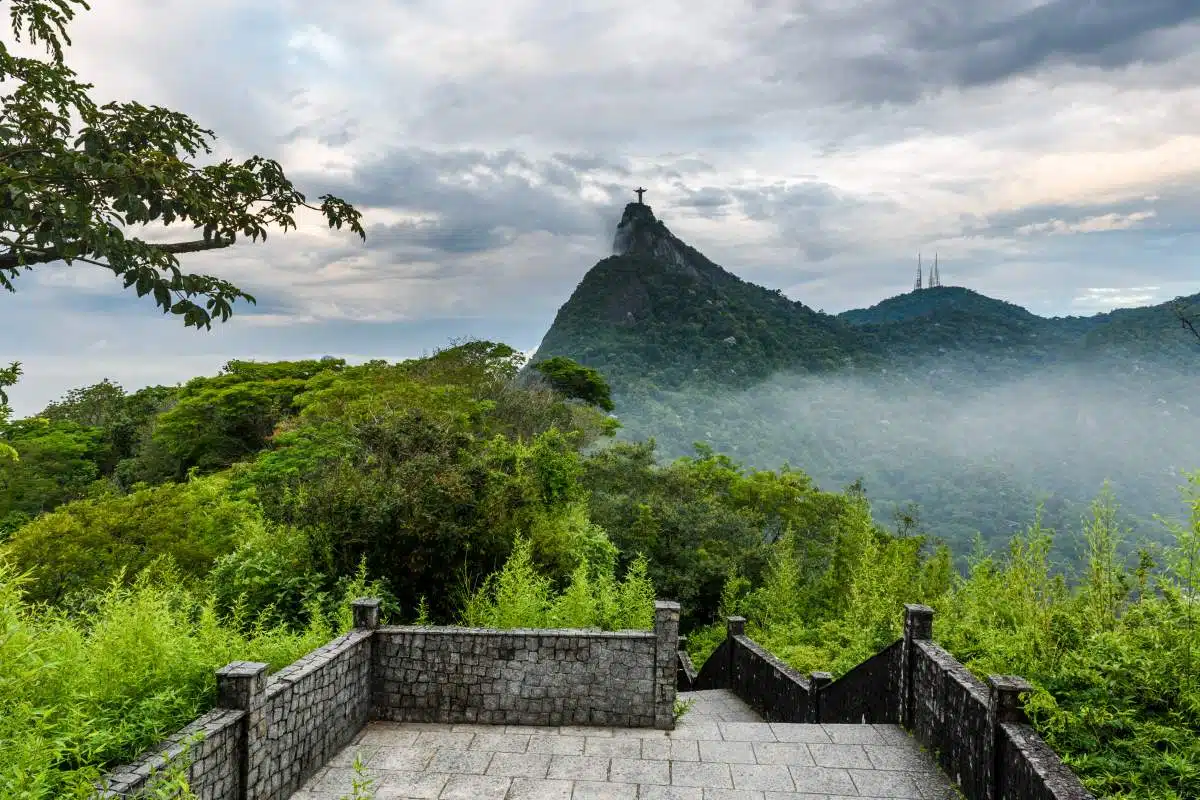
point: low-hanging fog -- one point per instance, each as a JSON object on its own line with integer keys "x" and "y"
{"x": 976, "y": 453}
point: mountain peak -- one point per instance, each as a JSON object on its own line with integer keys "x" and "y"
{"x": 658, "y": 303}
{"x": 641, "y": 233}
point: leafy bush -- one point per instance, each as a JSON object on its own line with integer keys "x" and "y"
{"x": 86, "y": 691}
{"x": 272, "y": 574}
{"x": 83, "y": 545}
{"x": 518, "y": 596}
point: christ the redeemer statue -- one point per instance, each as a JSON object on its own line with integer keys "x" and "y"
{"x": 640, "y": 191}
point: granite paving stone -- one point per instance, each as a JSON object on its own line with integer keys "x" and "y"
{"x": 724, "y": 752}
{"x": 884, "y": 783}
{"x": 475, "y": 787}
{"x": 613, "y": 748}
{"x": 604, "y": 790}
{"x": 583, "y": 768}
{"x": 520, "y": 765}
{"x": 853, "y": 734}
{"x": 555, "y": 744}
{"x": 728, "y": 752}
{"x": 501, "y": 742}
{"x": 460, "y": 762}
{"x": 540, "y": 789}
{"x": 698, "y": 773}
{"x": 415, "y": 785}
{"x": 910, "y": 758}
{"x": 823, "y": 780}
{"x": 445, "y": 739}
{"x": 670, "y": 793}
{"x": 840, "y": 755}
{"x": 747, "y": 732}
{"x": 894, "y": 735}
{"x": 636, "y": 770}
{"x": 799, "y": 732}
{"x": 762, "y": 776}
{"x": 733, "y": 794}
{"x": 782, "y": 753}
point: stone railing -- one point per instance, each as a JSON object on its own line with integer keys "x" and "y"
{"x": 977, "y": 732}
{"x": 270, "y": 734}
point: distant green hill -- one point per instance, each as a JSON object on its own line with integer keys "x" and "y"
{"x": 937, "y": 303}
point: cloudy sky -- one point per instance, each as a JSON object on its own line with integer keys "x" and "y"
{"x": 1048, "y": 150}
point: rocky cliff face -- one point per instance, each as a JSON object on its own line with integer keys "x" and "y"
{"x": 640, "y": 234}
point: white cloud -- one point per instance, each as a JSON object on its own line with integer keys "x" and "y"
{"x": 1096, "y": 224}
{"x": 844, "y": 137}
{"x": 1097, "y": 300}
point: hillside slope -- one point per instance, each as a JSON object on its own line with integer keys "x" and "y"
{"x": 659, "y": 313}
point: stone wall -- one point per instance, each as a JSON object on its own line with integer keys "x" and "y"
{"x": 213, "y": 773}
{"x": 769, "y": 686}
{"x": 950, "y": 717}
{"x": 977, "y": 732}
{"x": 269, "y": 734}
{"x": 870, "y": 692}
{"x": 309, "y": 711}
{"x": 1029, "y": 769}
{"x": 528, "y": 677}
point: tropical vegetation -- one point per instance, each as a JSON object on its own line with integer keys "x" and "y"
{"x": 504, "y": 502}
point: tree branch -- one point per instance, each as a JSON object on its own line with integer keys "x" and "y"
{"x": 1186, "y": 320}
{"x": 13, "y": 260}
{"x": 1190, "y": 325}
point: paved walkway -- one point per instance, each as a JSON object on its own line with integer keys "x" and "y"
{"x": 719, "y": 750}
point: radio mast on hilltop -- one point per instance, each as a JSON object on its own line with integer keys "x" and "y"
{"x": 935, "y": 277}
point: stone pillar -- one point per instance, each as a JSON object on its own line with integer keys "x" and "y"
{"x": 1004, "y": 705}
{"x": 241, "y": 685}
{"x": 817, "y": 681}
{"x": 366, "y": 613}
{"x": 366, "y": 618}
{"x": 734, "y": 627}
{"x": 666, "y": 657}
{"x": 918, "y": 626}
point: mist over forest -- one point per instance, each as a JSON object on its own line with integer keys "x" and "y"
{"x": 970, "y": 450}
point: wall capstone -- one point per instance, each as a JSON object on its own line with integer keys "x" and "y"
{"x": 240, "y": 683}
{"x": 366, "y": 613}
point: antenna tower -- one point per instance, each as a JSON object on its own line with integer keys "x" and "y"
{"x": 917, "y": 285}
{"x": 935, "y": 279}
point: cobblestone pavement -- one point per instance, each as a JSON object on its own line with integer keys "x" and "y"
{"x": 719, "y": 750}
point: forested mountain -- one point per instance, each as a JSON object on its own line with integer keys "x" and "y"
{"x": 658, "y": 314}
{"x": 970, "y": 407}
